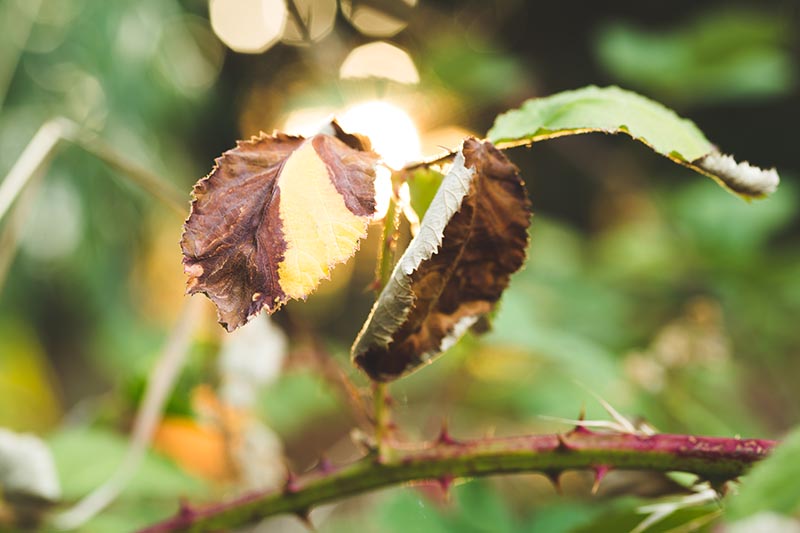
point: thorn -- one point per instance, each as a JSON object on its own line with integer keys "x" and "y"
{"x": 185, "y": 510}
{"x": 388, "y": 399}
{"x": 444, "y": 435}
{"x": 600, "y": 472}
{"x": 362, "y": 441}
{"x": 563, "y": 446}
{"x": 324, "y": 465}
{"x": 582, "y": 413}
{"x": 720, "y": 486}
{"x": 304, "y": 515}
{"x": 445, "y": 482}
{"x": 580, "y": 429}
{"x": 555, "y": 478}
{"x": 290, "y": 485}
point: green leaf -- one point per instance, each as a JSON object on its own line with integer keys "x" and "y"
{"x": 772, "y": 485}
{"x": 614, "y": 110}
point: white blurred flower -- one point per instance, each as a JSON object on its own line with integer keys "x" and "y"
{"x": 251, "y": 357}
{"x": 765, "y": 522}
{"x": 27, "y": 466}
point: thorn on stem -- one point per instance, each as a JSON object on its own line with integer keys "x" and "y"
{"x": 304, "y": 515}
{"x": 290, "y": 485}
{"x": 720, "y": 486}
{"x": 444, "y": 435}
{"x": 600, "y": 472}
{"x": 555, "y": 478}
{"x": 445, "y": 482}
{"x": 563, "y": 446}
{"x": 185, "y": 510}
{"x": 580, "y": 429}
{"x": 324, "y": 465}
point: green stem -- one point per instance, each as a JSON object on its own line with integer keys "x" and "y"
{"x": 712, "y": 458}
{"x": 382, "y": 416}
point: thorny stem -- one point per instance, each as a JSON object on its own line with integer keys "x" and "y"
{"x": 712, "y": 458}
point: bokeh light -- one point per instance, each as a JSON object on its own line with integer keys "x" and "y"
{"x": 378, "y": 21}
{"x": 248, "y": 26}
{"x": 380, "y": 60}
{"x": 312, "y": 20}
{"x": 389, "y": 127}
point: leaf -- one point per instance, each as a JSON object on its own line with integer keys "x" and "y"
{"x": 772, "y": 485}
{"x": 614, "y": 110}
{"x": 472, "y": 238}
{"x": 274, "y": 216}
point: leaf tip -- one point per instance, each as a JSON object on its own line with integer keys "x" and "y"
{"x": 743, "y": 178}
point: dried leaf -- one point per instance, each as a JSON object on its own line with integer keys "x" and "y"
{"x": 274, "y": 216}
{"x": 472, "y": 238}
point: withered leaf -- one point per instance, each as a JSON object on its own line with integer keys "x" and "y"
{"x": 273, "y": 217}
{"x": 472, "y": 238}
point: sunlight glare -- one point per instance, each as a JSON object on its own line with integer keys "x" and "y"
{"x": 390, "y": 129}
{"x": 392, "y": 132}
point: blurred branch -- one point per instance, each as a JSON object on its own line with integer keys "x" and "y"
{"x": 48, "y": 139}
{"x": 160, "y": 383}
{"x": 302, "y": 26}
{"x": 10, "y": 234}
{"x": 17, "y": 34}
{"x": 149, "y": 181}
{"x": 713, "y": 459}
{"x": 32, "y": 160}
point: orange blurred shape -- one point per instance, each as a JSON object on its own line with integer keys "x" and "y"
{"x": 198, "y": 448}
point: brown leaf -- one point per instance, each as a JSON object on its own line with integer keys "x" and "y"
{"x": 473, "y": 237}
{"x": 274, "y": 216}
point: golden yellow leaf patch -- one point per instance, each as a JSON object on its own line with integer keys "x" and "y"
{"x": 273, "y": 217}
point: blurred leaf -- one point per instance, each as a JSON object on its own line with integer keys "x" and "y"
{"x": 473, "y": 71}
{"x": 86, "y": 457}
{"x": 723, "y": 55}
{"x": 423, "y": 184}
{"x": 725, "y": 230}
{"x": 295, "y": 399}
{"x": 29, "y": 399}
{"x": 482, "y": 508}
{"x": 563, "y": 517}
{"x": 772, "y": 485}
{"x": 478, "y": 507}
{"x": 410, "y": 511}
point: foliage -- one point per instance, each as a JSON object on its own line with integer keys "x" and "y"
{"x": 671, "y": 301}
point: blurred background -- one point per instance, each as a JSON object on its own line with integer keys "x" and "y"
{"x": 645, "y": 284}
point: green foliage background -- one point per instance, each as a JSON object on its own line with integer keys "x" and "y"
{"x": 673, "y": 301}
